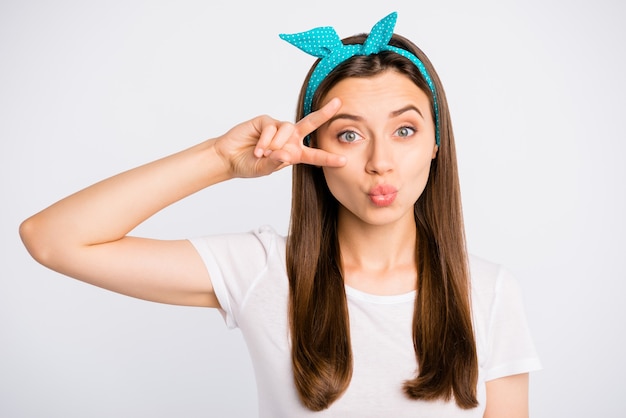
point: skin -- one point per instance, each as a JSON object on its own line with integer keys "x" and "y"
{"x": 85, "y": 235}
{"x": 507, "y": 397}
{"x": 378, "y": 243}
{"x": 384, "y": 127}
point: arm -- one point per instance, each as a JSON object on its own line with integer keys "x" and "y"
{"x": 85, "y": 235}
{"x": 507, "y": 397}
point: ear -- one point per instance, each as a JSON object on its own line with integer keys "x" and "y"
{"x": 435, "y": 149}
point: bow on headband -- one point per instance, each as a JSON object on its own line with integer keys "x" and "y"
{"x": 324, "y": 43}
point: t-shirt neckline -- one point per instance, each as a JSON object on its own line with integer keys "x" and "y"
{"x": 353, "y": 293}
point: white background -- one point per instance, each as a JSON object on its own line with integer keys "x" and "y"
{"x": 88, "y": 89}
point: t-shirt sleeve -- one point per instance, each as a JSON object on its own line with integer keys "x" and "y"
{"x": 234, "y": 262}
{"x": 510, "y": 345}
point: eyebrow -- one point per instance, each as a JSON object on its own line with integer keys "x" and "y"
{"x": 344, "y": 116}
{"x": 406, "y": 109}
{"x": 392, "y": 114}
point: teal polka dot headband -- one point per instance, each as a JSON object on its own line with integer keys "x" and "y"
{"x": 324, "y": 43}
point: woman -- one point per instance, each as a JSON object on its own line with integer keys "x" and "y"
{"x": 370, "y": 307}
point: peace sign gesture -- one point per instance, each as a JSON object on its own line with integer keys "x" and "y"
{"x": 263, "y": 145}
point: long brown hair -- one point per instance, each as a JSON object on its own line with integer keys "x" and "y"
{"x": 318, "y": 311}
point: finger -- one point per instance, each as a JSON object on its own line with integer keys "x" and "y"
{"x": 284, "y": 133}
{"x": 268, "y": 130}
{"x": 321, "y": 158}
{"x": 314, "y": 120}
{"x": 297, "y": 154}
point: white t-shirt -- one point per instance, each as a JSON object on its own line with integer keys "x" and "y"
{"x": 250, "y": 280}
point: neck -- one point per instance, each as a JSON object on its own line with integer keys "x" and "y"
{"x": 378, "y": 259}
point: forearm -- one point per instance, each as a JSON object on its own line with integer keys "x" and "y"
{"x": 108, "y": 210}
{"x": 85, "y": 235}
{"x": 507, "y": 397}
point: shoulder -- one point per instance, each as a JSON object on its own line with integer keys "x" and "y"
{"x": 495, "y": 292}
{"x": 256, "y": 244}
{"x": 236, "y": 262}
{"x": 487, "y": 277}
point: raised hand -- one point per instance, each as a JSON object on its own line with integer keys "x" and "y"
{"x": 263, "y": 145}
{"x": 85, "y": 235}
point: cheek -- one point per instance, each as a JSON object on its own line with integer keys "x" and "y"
{"x": 334, "y": 178}
{"x": 419, "y": 171}
{"x": 340, "y": 182}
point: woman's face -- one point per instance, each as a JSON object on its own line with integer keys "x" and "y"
{"x": 385, "y": 129}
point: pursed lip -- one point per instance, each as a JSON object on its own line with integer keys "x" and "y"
{"x": 383, "y": 194}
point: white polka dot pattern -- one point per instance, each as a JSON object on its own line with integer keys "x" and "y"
{"x": 324, "y": 43}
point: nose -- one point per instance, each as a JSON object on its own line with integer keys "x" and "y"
{"x": 380, "y": 157}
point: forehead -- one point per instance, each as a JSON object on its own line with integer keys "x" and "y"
{"x": 389, "y": 88}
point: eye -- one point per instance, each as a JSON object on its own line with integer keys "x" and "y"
{"x": 405, "y": 131}
{"x": 348, "y": 136}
